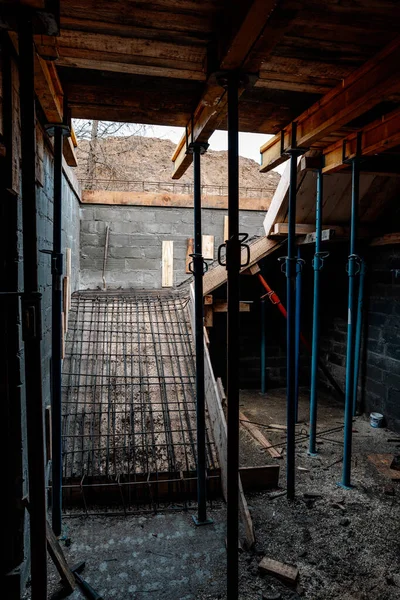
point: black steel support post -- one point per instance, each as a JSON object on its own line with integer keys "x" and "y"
{"x": 198, "y": 263}
{"x": 31, "y": 315}
{"x": 353, "y": 269}
{"x": 291, "y": 272}
{"x": 57, "y": 271}
{"x": 233, "y": 246}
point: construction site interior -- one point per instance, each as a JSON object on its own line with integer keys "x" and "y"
{"x": 200, "y": 354}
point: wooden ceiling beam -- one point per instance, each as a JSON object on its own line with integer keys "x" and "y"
{"x": 101, "y": 64}
{"x": 47, "y": 88}
{"x": 212, "y": 106}
{"x": 376, "y": 80}
{"x": 381, "y": 135}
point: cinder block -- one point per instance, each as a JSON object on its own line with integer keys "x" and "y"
{"x": 122, "y": 240}
{"x": 125, "y": 252}
{"x": 142, "y": 264}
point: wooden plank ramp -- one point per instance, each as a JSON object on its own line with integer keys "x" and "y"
{"x": 259, "y": 248}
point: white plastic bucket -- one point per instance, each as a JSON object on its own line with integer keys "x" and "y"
{"x": 375, "y": 419}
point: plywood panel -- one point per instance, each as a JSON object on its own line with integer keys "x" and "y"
{"x": 189, "y": 251}
{"x": 167, "y": 264}
{"x": 207, "y": 244}
{"x": 226, "y": 228}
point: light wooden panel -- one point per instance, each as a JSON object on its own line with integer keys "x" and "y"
{"x": 167, "y": 264}
{"x": 207, "y": 246}
{"x": 226, "y": 228}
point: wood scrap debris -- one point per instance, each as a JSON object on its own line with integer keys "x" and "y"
{"x": 287, "y": 573}
{"x": 258, "y": 436}
{"x": 383, "y": 464}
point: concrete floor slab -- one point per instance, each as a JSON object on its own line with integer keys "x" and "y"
{"x": 161, "y": 556}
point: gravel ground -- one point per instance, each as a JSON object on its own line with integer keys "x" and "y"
{"x": 345, "y": 543}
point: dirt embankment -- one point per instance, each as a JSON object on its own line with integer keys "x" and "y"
{"x": 138, "y": 158}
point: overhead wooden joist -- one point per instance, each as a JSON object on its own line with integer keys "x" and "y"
{"x": 235, "y": 55}
{"x": 379, "y": 136}
{"x": 370, "y": 85}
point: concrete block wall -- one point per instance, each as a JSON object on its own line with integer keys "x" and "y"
{"x": 135, "y": 242}
{"x": 70, "y": 239}
{"x": 379, "y": 382}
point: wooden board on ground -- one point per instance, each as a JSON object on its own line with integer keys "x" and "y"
{"x": 56, "y": 553}
{"x": 258, "y": 436}
{"x": 259, "y": 478}
{"x": 382, "y": 462}
{"x": 189, "y": 251}
{"x": 167, "y": 263}
{"x": 287, "y": 573}
{"x": 207, "y": 246}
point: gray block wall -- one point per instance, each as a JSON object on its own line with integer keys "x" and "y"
{"x": 135, "y": 242}
{"x": 379, "y": 381}
{"x": 70, "y": 239}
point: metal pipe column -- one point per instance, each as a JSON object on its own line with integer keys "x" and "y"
{"x": 357, "y": 351}
{"x": 57, "y": 271}
{"x": 31, "y": 314}
{"x": 290, "y": 271}
{"x": 198, "y": 262}
{"x": 233, "y": 274}
{"x": 263, "y": 365}
{"x": 352, "y": 269}
{"x": 298, "y": 330}
{"x": 317, "y": 265}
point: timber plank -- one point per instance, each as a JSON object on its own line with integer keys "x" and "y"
{"x": 189, "y": 251}
{"x": 259, "y": 478}
{"x": 258, "y": 436}
{"x": 207, "y": 246}
{"x": 369, "y": 85}
{"x": 169, "y": 199}
{"x": 387, "y": 238}
{"x": 58, "y": 558}
{"x": 382, "y": 462}
{"x": 226, "y": 227}
{"x": 287, "y": 573}
{"x": 167, "y": 263}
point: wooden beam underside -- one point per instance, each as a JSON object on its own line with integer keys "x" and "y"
{"x": 237, "y": 54}
{"x": 165, "y": 199}
{"x": 376, "y": 191}
{"x": 380, "y": 136}
{"x": 377, "y": 80}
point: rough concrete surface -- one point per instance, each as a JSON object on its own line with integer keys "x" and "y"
{"x": 345, "y": 543}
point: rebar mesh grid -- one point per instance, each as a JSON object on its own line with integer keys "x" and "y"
{"x": 129, "y": 413}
